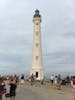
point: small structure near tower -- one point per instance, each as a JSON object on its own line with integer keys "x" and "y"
{"x": 37, "y": 69}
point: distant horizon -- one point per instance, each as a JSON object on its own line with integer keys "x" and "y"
{"x": 47, "y": 74}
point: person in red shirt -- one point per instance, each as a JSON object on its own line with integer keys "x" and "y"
{"x": 32, "y": 79}
{"x": 73, "y": 84}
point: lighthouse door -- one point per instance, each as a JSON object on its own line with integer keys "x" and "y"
{"x": 36, "y": 74}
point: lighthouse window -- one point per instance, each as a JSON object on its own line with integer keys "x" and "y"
{"x": 37, "y": 44}
{"x": 36, "y": 23}
{"x": 36, "y": 33}
{"x": 36, "y": 57}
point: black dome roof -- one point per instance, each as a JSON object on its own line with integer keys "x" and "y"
{"x": 37, "y": 13}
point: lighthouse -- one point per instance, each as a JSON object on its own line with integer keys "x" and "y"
{"x": 37, "y": 67}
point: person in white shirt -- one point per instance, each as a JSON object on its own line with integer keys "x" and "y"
{"x": 52, "y": 79}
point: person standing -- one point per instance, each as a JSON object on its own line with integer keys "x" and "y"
{"x": 22, "y": 79}
{"x": 2, "y": 88}
{"x": 32, "y": 79}
{"x": 52, "y": 79}
{"x": 55, "y": 81}
{"x": 59, "y": 82}
{"x": 73, "y": 85}
{"x": 13, "y": 87}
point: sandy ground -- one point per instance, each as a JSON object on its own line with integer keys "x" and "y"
{"x": 42, "y": 92}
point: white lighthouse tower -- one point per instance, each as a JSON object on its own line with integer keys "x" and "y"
{"x": 37, "y": 69}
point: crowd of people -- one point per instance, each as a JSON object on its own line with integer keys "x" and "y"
{"x": 13, "y": 85}
{"x": 63, "y": 80}
{"x": 58, "y": 81}
{"x": 14, "y": 80}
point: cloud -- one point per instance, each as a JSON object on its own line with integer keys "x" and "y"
{"x": 60, "y": 58}
{"x": 69, "y": 35}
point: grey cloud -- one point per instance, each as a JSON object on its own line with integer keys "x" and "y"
{"x": 61, "y": 58}
{"x": 69, "y": 35}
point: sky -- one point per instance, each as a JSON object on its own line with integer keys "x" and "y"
{"x": 57, "y": 33}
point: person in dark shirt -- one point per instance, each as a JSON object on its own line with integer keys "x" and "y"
{"x": 59, "y": 82}
{"x": 13, "y": 86}
{"x": 2, "y": 88}
{"x": 22, "y": 79}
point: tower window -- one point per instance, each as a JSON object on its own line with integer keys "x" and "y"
{"x": 37, "y": 44}
{"x": 36, "y": 57}
{"x": 36, "y": 23}
{"x": 36, "y": 33}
